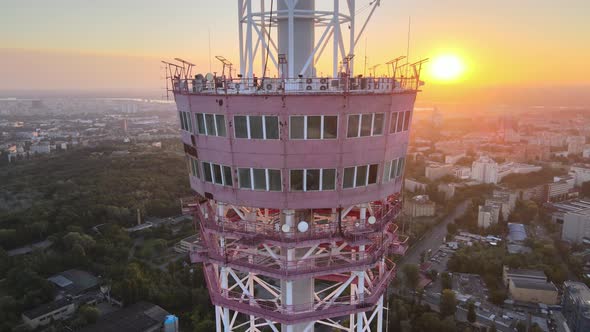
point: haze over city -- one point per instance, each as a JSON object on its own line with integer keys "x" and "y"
{"x": 294, "y": 166}
{"x": 512, "y": 52}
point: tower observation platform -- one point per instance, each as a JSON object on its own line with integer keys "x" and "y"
{"x": 301, "y": 173}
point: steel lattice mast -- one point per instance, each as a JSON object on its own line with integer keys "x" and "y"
{"x": 301, "y": 174}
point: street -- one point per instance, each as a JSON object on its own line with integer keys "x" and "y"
{"x": 434, "y": 238}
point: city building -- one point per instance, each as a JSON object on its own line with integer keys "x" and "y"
{"x": 40, "y": 148}
{"x": 508, "y": 168}
{"x": 485, "y": 170}
{"x": 413, "y": 185}
{"x": 73, "y": 289}
{"x": 74, "y": 282}
{"x": 302, "y": 175}
{"x": 576, "y": 144}
{"x": 462, "y": 172}
{"x": 453, "y": 158}
{"x": 138, "y": 317}
{"x": 581, "y": 173}
{"x": 435, "y": 171}
{"x": 561, "y": 189}
{"x": 560, "y": 209}
{"x": 516, "y": 238}
{"x": 505, "y": 199}
{"x": 488, "y": 215}
{"x": 576, "y": 226}
{"x": 532, "y": 291}
{"x": 47, "y": 313}
{"x": 576, "y": 306}
{"x": 420, "y": 206}
{"x": 187, "y": 244}
{"x": 536, "y": 152}
{"x": 448, "y": 189}
{"x": 526, "y": 274}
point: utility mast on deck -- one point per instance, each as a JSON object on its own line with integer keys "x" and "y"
{"x": 300, "y": 175}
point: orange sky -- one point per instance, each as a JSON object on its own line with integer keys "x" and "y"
{"x": 69, "y": 44}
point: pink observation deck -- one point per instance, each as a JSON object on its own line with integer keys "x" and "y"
{"x": 301, "y": 179}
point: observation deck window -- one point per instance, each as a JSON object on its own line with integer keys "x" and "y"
{"x": 211, "y": 124}
{"x": 360, "y": 176}
{"x": 256, "y": 126}
{"x": 313, "y": 179}
{"x": 217, "y": 174}
{"x": 260, "y": 179}
{"x": 194, "y": 167}
{"x": 393, "y": 169}
{"x": 314, "y": 127}
{"x": 185, "y": 121}
{"x": 363, "y": 125}
{"x": 400, "y": 121}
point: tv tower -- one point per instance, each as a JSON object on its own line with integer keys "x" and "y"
{"x": 301, "y": 173}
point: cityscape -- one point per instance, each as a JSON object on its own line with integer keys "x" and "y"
{"x": 330, "y": 192}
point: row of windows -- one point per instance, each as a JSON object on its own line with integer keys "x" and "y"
{"x": 362, "y": 125}
{"x": 314, "y": 127}
{"x": 302, "y": 127}
{"x": 260, "y": 179}
{"x": 360, "y": 176}
{"x": 300, "y": 179}
{"x": 185, "y": 121}
{"x": 313, "y": 179}
{"x": 393, "y": 169}
{"x": 257, "y": 126}
{"x": 211, "y": 124}
{"x": 217, "y": 174}
{"x": 400, "y": 121}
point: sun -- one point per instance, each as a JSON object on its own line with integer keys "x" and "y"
{"x": 447, "y": 67}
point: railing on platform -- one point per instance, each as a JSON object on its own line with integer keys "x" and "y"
{"x": 279, "y": 266}
{"x": 258, "y": 230}
{"x": 289, "y": 314}
{"x": 316, "y": 85}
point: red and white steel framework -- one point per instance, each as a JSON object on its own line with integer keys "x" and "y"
{"x": 283, "y": 259}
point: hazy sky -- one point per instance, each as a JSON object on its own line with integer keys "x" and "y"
{"x": 107, "y": 44}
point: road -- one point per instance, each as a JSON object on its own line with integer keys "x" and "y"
{"x": 434, "y": 238}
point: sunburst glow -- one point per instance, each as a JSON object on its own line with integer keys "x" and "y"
{"x": 447, "y": 67}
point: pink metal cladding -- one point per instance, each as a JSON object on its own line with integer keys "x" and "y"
{"x": 285, "y": 153}
{"x": 241, "y": 230}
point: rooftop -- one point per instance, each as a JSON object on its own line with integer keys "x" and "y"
{"x": 527, "y": 273}
{"x": 516, "y": 232}
{"x": 46, "y": 308}
{"x": 533, "y": 284}
{"x": 139, "y": 317}
{"x": 74, "y": 281}
{"x": 579, "y": 293}
{"x": 572, "y": 205}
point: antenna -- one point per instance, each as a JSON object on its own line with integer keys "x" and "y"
{"x": 187, "y": 68}
{"x": 408, "y": 46}
{"x": 373, "y": 69}
{"x": 226, "y": 63}
{"x": 209, "y": 31}
{"x": 365, "y": 69}
{"x": 394, "y": 64}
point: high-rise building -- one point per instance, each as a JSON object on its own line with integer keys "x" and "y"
{"x": 576, "y": 306}
{"x": 485, "y": 170}
{"x": 576, "y": 144}
{"x": 301, "y": 172}
{"x": 576, "y": 226}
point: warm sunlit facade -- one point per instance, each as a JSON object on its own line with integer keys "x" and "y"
{"x": 301, "y": 174}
